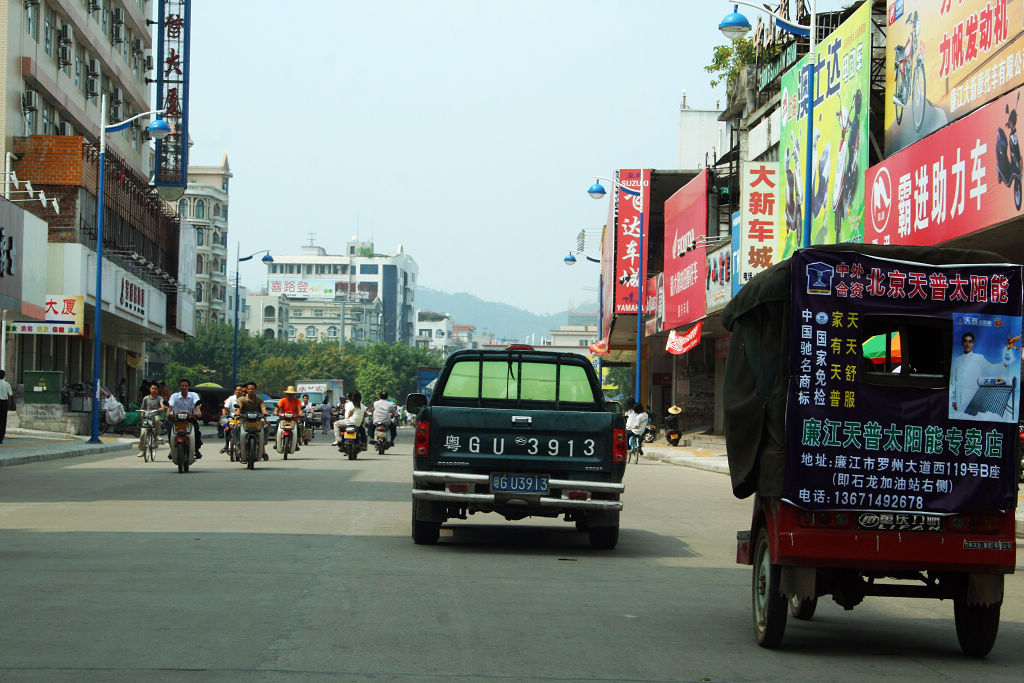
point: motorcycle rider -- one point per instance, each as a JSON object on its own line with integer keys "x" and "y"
{"x": 289, "y": 404}
{"x": 153, "y": 401}
{"x": 228, "y": 411}
{"x": 252, "y": 403}
{"x": 385, "y": 412}
{"x": 187, "y": 401}
{"x": 355, "y": 411}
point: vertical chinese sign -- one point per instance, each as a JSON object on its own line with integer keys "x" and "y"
{"x": 172, "y": 92}
{"x": 686, "y": 220}
{"x": 758, "y": 218}
{"x": 890, "y": 407}
{"x": 944, "y": 59}
{"x": 947, "y": 186}
{"x": 630, "y": 210}
{"x": 842, "y": 83}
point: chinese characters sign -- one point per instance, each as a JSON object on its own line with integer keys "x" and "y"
{"x": 64, "y": 316}
{"x": 842, "y": 80}
{"x": 321, "y": 290}
{"x": 759, "y": 182}
{"x": 946, "y": 58}
{"x": 686, "y": 220}
{"x": 946, "y": 187}
{"x": 131, "y": 296}
{"x": 883, "y": 436}
{"x": 632, "y": 217}
{"x": 174, "y": 20}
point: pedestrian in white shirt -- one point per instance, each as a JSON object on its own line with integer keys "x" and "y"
{"x": 6, "y": 392}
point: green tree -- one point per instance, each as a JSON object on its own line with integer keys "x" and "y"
{"x": 374, "y": 378}
{"x": 195, "y": 374}
{"x": 727, "y": 60}
{"x": 623, "y": 376}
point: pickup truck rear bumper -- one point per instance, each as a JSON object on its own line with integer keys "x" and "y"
{"x": 557, "y": 486}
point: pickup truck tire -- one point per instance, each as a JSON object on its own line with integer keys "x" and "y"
{"x": 976, "y": 626}
{"x": 426, "y": 528}
{"x": 604, "y": 537}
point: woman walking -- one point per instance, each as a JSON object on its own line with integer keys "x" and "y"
{"x": 325, "y": 416}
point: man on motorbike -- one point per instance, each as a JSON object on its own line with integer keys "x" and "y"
{"x": 252, "y": 403}
{"x": 153, "y": 401}
{"x": 355, "y": 411}
{"x": 228, "y": 411}
{"x": 187, "y": 401}
{"x": 289, "y": 404}
{"x": 385, "y": 412}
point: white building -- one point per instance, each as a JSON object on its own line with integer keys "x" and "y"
{"x": 205, "y": 206}
{"x": 367, "y": 296}
{"x": 434, "y": 331}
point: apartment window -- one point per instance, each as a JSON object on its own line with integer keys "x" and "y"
{"x": 332, "y": 331}
{"x": 30, "y": 123}
{"x": 223, "y": 267}
{"x": 200, "y": 209}
{"x": 49, "y": 32}
{"x": 216, "y": 238}
{"x": 199, "y": 237}
{"x": 224, "y": 184}
{"x": 311, "y": 332}
{"x": 368, "y": 269}
{"x": 199, "y": 264}
{"x": 105, "y": 17}
{"x": 79, "y": 66}
{"x": 309, "y": 270}
{"x": 32, "y": 21}
{"x": 183, "y": 207}
{"x": 199, "y": 290}
{"x": 292, "y": 331}
{"x": 216, "y": 210}
{"x": 224, "y": 212}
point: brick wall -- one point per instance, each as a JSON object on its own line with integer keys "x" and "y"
{"x": 51, "y": 160}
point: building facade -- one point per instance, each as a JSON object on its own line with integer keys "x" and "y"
{"x": 205, "y": 205}
{"x": 434, "y": 331}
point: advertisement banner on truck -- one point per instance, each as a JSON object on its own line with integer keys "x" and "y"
{"x": 945, "y": 59}
{"x": 842, "y": 84}
{"x": 905, "y": 384}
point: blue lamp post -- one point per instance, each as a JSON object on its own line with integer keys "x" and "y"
{"x": 158, "y": 129}
{"x": 267, "y": 258}
{"x": 597, "y": 192}
{"x": 735, "y": 26}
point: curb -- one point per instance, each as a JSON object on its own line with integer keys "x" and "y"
{"x": 81, "y": 449}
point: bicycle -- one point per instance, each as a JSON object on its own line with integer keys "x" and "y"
{"x": 148, "y": 437}
{"x": 636, "y": 448}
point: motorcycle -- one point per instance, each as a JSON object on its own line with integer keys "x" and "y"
{"x": 289, "y": 433}
{"x": 1008, "y": 154}
{"x": 846, "y": 163}
{"x": 650, "y": 433}
{"x": 382, "y": 438}
{"x": 148, "y": 437}
{"x": 352, "y": 442}
{"x": 252, "y": 425}
{"x": 183, "y": 444}
{"x": 910, "y": 80}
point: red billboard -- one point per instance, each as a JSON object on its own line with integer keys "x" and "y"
{"x": 686, "y": 219}
{"x": 962, "y": 178}
{"x": 627, "y": 237}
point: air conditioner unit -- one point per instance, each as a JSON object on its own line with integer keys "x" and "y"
{"x": 65, "y": 128}
{"x": 137, "y": 45}
{"x": 118, "y": 16}
{"x": 64, "y": 55}
{"x": 94, "y": 67}
{"x": 116, "y": 34}
{"x": 116, "y": 96}
{"x": 92, "y": 88}
{"x": 65, "y": 34}
{"x": 31, "y": 3}
{"x": 94, "y": 6}
{"x": 30, "y": 100}
{"x": 115, "y": 113}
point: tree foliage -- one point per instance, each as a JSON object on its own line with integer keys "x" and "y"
{"x": 727, "y": 60}
{"x": 274, "y": 363}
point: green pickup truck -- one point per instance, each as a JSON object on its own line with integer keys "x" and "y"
{"x": 522, "y": 433}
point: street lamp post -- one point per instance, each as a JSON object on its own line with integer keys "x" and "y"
{"x": 267, "y": 258}
{"x": 735, "y": 26}
{"x": 570, "y": 260}
{"x": 158, "y": 130}
{"x": 597, "y": 192}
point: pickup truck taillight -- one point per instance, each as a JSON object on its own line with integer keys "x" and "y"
{"x": 422, "y": 443}
{"x": 619, "y": 445}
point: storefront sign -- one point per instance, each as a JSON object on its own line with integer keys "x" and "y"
{"x": 686, "y": 220}
{"x": 877, "y": 420}
{"x": 314, "y": 290}
{"x": 627, "y": 244}
{"x": 718, "y": 278}
{"x": 842, "y": 84}
{"x": 654, "y": 304}
{"x": 759, "y": 183}
{"x": 948, "y": 185}
{"x": 65, "y": 316}
{"x": 131, "y": 296}
{"x": 771, "y": 71}
{"x": 945, "y": 59}
{"x": 174, "y": 19}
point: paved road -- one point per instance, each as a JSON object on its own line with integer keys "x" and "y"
{"x": 115, "y": 569}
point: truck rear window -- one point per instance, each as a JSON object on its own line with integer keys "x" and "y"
{"x": 512, "y": 380}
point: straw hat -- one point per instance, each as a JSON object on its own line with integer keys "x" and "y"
{"x": 674, "y": 410}
{"x": 291, "y": 390}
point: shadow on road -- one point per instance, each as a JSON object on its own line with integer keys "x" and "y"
{"x": 545, "y": 540}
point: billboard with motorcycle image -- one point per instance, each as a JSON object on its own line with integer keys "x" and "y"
{"x": 946, "y": 58}
{"x": 842, "y": 78}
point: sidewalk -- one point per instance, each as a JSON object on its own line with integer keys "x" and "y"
{"x": 22, "y": 446}
{"x": 711, "y": 456}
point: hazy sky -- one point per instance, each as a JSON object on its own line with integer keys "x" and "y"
{"x": 466, "y": 131}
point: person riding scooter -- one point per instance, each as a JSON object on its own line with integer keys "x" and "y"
{"x": 386, "y": 413}
{"x": 355, "y": 411}
{"x": 252, "y": 403}
{"x": 228, "y": 411}
{"x": 187, "y": 401}
{"x": 289, "y": 404}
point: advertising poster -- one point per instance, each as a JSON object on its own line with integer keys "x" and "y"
{"x": 718, "y": 278}
{"x": 627, "y": 243}
{"x": 654, "y": 304}
{"x": 759, "y": 219}
{"x": 842, "y": 80}
{"x": 961, "y": 179}
{"x": 298, "y": 288}
{"x": 735, "y": 246}
{"x": 944, "y": 59}
{"x": 881, "y": 352}
{"x": 686, "y": 219}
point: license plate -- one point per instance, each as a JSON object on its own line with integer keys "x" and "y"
{"x": 349, "y": 436}
{"x": 505, "y": 482}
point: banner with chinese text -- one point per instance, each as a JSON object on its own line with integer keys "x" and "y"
{"x": 905, "y": 384}
{"x": 842, "y": 83}
{"x": 758, "y": 219}
{"x": 174, "y": 19}
{"x": 686, "y": 220}
{"x": 65, "y": 316}
{"x": 630, "y": 210}
{"x": 945, "y": 59}
{"x": 300, "y": 288}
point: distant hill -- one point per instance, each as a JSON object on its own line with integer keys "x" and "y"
{"x": 491, "y": 317}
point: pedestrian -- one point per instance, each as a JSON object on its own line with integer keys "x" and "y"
{"x": 325, "y": 415}
{"x": 6, "y": 392}
{"x": 164, "y": 390}
{"x": 122, "y": 392}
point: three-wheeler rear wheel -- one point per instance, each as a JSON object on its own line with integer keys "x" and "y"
{"x": 769, "y": 603}
{"x": 976, "y": 626}
{"x": 802, "y": 608}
